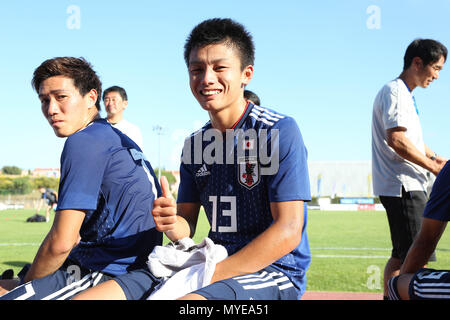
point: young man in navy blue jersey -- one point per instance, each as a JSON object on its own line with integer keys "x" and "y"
{"x": 248, "y": 168}
{"x": 254, "y": 193}
{"x": 106, "y": 191}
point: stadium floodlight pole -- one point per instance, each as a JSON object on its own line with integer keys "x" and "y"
{"x": 159, "y": 131}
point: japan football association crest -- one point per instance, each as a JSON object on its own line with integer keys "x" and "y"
{"x": 248, "y": 171}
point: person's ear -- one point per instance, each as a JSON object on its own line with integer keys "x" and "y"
{"x": 247, "y": 75}
{"x": 417, "y": 63}
{"x": 92, "y": 95}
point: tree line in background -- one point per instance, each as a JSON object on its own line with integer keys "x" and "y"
{"x": 13, "y": 170}
{"x": 25, "y": 184}
{"x": 12, "y": 181}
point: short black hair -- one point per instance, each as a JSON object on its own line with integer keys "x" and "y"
{"x": 426, "y": 49}
{"x": 78, "y": 69}
{"x": 120, "y": 90}
{"x": 253, "y": 97}
{"x": 219, "y": 30}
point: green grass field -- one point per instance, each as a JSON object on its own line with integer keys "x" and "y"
{"x": 349, "y": 249}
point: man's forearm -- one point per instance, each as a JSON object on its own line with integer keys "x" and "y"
{"x": 424, "y": 245}
{"x": 279, "y": 239}
{"x": 264, "y": 250}
{"x": 405, "y": 149}
{"x": 417, "y": 258}
{"x": 46, "y": 261}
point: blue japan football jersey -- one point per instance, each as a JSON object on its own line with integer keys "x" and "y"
{"x": 104, "y": 172}
{"x": 438, "y": 206}
{"x": 235, "y": 175}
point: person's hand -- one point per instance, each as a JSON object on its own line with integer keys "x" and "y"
{"x": 165, "y": 209}
{"x": 441, "y": 160}
{"x": 439, "y": 164}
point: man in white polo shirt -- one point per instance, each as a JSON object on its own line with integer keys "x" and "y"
{"x": 115, "y": 100}
{"x": 400, "y": 158}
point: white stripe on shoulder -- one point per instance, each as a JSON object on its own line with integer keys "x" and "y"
{"x": 259, "y": 108}
{"x": 265, "y": 115}
{"x": 254, "y": 115}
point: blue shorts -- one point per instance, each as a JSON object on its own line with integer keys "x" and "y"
{"x": 63, "y": 284}
{"x": 266, "y": 284}
{"x": 137, "y": 284}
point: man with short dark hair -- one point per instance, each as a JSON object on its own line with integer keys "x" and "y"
{"x": 106, "y": 190}
{"x": 400, "y": 158}
{"x": 255, "y": 203}
{"x": 256, "y": 208}
{"x": 115, "y": 100}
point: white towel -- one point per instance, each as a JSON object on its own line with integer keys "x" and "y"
{"x": 184, "y": 267}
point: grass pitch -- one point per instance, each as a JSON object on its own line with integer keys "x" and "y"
{"x": 349, "y": 249}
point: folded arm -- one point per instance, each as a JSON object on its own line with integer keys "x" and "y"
{"x": 398, "y": 141}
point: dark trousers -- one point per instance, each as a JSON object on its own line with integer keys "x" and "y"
{"x": 405, "y": 218}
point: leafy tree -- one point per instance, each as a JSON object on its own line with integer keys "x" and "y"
{"x": 46, "y": 182}
{"x": 25, "y": 185}
{"x": 6, "y": 185}
{"x": 12, "y": 170}
{"x": 9, "y": 185}
{"x": 22, "y": 185}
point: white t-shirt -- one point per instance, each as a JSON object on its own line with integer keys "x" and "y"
{"x": 394, "y": 107}
{"x": 131, "y": 130}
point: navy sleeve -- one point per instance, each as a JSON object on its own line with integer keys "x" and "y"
{"x": 291, "y": 182}
{"x": 187, "y": 191}
{"x": 82, "y": 167}
{"x": 438, "y": 206}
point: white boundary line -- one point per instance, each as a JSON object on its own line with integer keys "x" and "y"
{"x": 347, "y": 256}
{"x": 350, "y": 249}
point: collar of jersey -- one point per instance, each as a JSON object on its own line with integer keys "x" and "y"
{"x": 244, "y": 115}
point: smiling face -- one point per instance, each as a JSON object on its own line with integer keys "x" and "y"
{"x": 114, "y": 104}
{"x": 217, "y": 78}
{"x": 426, "y": 74}
{"x": 66, "y": 110}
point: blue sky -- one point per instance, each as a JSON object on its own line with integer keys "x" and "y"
{"x": 321, "y": 62}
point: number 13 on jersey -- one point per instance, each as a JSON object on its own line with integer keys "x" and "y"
{"x": 231, "y": 212}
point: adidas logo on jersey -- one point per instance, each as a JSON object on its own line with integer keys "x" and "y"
{"x": 203, "y": 171}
